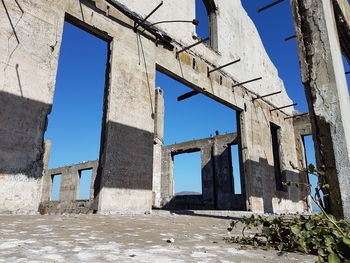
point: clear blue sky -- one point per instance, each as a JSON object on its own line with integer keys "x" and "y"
{"x": 75, "y": 122}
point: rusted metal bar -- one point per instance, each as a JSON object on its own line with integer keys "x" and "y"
{"x": 191, "y": 46}
{"x": 223, "y": 66}
{"x": 144, "y": 20}
{"x": 297, "y": 115}
{"x": 267, "y": 95}
{"x": 187, "y": 95}
{"x": 291, "y": 37}
{"x": 245, "y": 82}
{"x": 347, "y": 72}
{"x": 193, "y": 21}
{"x": 280, "y": 108}
{"x": 19, "y": 6}
{"x": 162, "y": 39}
{"x": 270, "y": 5}
{"x": 9, "y": 18}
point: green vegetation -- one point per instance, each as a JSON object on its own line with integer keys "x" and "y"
{"x": 320, "y": 235}
{"x": 317, "y": 235}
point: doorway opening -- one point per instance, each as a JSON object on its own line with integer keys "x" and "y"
{"x": 85, "y": 178}
{"x": 56, "y": 185}
{"x": 74, "y": 126}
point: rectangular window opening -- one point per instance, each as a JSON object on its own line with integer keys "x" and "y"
{"x": 275, "y": 130}
{"x": 188, "y": 174}
{"x": 56, "y": 185}
{"x": 235, "y": 169}
{"x": 207, "y": 27}
{"x": 85, "y": 178}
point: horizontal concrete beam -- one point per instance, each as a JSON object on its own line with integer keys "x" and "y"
{"x": 79, "y": 166}
{"x": 196, "y": 145}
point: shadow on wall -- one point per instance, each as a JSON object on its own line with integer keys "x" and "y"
{"x": 23, "y": 123}
{"x": 262, "y": 187}
{"x": 217, "y": 178}
{"x": 126, "y": 158}
{"x": 126, "y": 161}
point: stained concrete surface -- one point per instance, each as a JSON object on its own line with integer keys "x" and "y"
{"x": 128, "y": 126}
{"x": 126, "y": 238}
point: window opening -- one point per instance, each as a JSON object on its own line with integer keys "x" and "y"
{"x": 187, "y": 174}
{"x": 276, "y": 156}
{"x": 310, "y": 159}
{"x": 235, "y": 169}
{"x": 56, "y": 185}
{"x": 206, "y": 15}
{"x": 85, "y": 178}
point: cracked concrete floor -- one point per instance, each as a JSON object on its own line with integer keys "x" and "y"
{"x": 125, "y": 238}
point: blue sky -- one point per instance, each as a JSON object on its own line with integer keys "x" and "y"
{"x": 75, "y": 122}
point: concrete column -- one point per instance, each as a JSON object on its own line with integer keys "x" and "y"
{"x": 157, "y": 147}
{"x": 46, "y": 182}
{"x": 243, "y": 122}
{"x": 207, "y": 175}
{"x": 223, "y": 181}
{"x": 126, "y": 161}
{"x": 327, "y": 95}
{"x": 26, "y": 92}
{"x": 69, "y": 190}
{"x": 167, "y": 177}
{"x": 93, "y": 178}
{"x": 159, "y": 115}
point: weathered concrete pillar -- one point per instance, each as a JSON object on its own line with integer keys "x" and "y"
{"x": 157, "y": 147}
{"x": 327, "y": 95}
{"x": 93, "y": 178}
{"x": 69, "y": 190}
{"x": 125, "y": 180}
{"x": 46, "y": 182}
{"x": 27, "y": 81}
{"x": 223, "y": 180}
{"x": 167, "y": 177}
{"x": 207, "y": 175}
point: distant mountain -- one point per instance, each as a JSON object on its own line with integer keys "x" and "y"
{"x": 187, "y": 193}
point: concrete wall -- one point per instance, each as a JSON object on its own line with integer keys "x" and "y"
{"x": 70, "y": 181}
{"x": 216, "y": 174}
{"x": 125, "y": 175}
{"x": 237, "y": 38}
{"x": 28, "y": 70}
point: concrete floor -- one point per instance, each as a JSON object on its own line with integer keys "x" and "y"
{"x": 125, "y": 238}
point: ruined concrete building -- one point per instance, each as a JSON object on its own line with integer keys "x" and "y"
{"x": 135, "y": 170}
